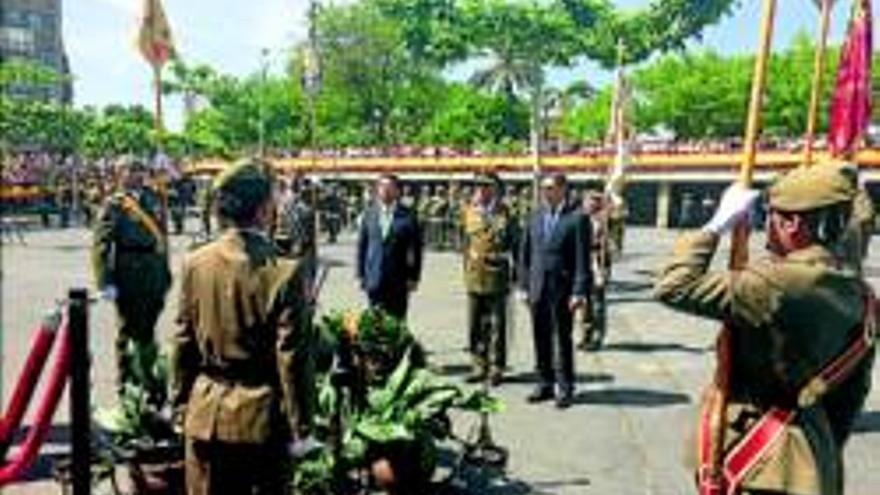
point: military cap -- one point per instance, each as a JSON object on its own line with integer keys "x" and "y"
{"x": 487, "y": 179}
{"x": 247, "y": 181}
{"x": 809, "y": 188}
{"x": 131, "y": 163}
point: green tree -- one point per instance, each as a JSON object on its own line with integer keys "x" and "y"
{"x": 469, "y": 118}
{"x": 117, "y": 130}
{"x": 369, "y": 79}
{"x": 237, "y": 110}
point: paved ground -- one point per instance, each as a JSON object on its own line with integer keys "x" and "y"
{"x": 634, "y": 399}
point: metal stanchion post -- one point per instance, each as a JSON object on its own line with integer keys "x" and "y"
{"x": 80, "y": 409}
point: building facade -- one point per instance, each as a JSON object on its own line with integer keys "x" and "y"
{"x": 30, "y": 30}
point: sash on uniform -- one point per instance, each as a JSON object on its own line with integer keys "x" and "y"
{"x": 133, "y": 208}
{"x": 727, "y": 478}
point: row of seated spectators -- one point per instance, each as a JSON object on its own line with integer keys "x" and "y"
{"x": 642, "y": 146}
{"x": 34, "y": 167}
{"x": 44, "y": 168}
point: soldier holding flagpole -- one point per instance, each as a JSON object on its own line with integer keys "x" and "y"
{"x": 156, "y": 45}
{"x": 795, "y": 354}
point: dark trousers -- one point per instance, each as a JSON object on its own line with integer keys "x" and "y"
{"x": 227, "y": 468}
{"x": 487, "y": 319}
{"x": 393, "y": 302}
{"x": 552, "y": 328}
{"x": 136, "y": 320}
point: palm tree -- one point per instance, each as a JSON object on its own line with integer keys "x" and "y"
{"x": 510, "y": 76}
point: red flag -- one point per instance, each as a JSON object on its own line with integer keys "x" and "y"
{"x": 851, "y": 103}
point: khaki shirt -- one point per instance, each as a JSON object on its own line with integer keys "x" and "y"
{"x": 240, "y": 351}
{"x": 788, "y": 318}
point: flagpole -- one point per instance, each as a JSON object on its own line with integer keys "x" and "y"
{"x": 161, "y": 186}
{"x": 739, "y": 246}
{"x": 818, "y": 72}
{"x": 157, "y": 95}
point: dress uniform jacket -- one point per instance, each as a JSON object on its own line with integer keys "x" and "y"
{"x": 240, "y": 348}
{"x": 489, "y": 249}
{"x": 128, "y": 249}
{"x": 789, "y": 318}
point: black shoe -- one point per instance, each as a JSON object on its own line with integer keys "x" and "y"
{"x": 584, "y": 345}
{"x": 563, "y": 400}
{"x": 496, "y": 376}
{"x": 476, "y": 377}
{"x": 540, "y": 394}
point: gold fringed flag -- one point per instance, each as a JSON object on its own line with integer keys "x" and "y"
{"x": 154, "y": 39}
{"x": 619, "y": 132}
{"x": 851, "y": 103}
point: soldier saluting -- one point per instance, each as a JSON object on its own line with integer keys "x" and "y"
{"x": 130, "y": 261}
{"x": 489, "y": 250}
{"x": 801, "y": 327}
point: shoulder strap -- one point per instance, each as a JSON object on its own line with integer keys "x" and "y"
{"x": 133, "y": 209}
{"x": 760, "y": 437}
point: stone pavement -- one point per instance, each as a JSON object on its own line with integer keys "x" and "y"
{"x": 634, "y": 401}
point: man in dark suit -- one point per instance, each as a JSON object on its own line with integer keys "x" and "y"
{"x": 555, "y": 278}
{"x": 389, "y": 254}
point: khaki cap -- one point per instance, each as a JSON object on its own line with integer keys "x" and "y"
{"x": 813, "y": 187}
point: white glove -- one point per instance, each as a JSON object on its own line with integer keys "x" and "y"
{"x": 108, "y": 293}
{"x": 736, "y": 202}
{"x": 304, "y": 446}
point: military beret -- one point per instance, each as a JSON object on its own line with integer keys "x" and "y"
{"x": 246, "y": 180}
{"x": 809, "y": 188}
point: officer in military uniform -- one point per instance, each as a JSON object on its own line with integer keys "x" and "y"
{"x": 799, "y": 344}
{"x": 206, "y": 200}
{"x": 488, "y": 254}
{"x": 593, "y": 317}
{"x": 177, "y": 205}
{"x": 294, "y": 234}
{"x": 438, "y": 210}
{"x": 130, "y": 261}
{"x": 242, "y": 381}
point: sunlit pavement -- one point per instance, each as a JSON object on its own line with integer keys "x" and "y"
{"x": 634, "y": 401}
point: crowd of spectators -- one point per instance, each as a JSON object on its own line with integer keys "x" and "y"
{"x": 641, "y": 145}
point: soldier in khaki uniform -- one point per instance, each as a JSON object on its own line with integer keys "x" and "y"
{"x": 489, "y": 247}
{"x": 240, "y": 361}
{"x": 130, "y": 262}
{"x": 790, "y": 318}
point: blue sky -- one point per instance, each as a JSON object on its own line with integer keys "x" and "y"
{"x": 229, "y": 34}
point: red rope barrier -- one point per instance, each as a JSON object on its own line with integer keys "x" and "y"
{"x": 13, "y": 469}
{"x": 41, "y": 345}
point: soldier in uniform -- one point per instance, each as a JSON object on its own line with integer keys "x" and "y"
{"x": 488, "y": 254}
{"x": 438, "y": 211}
{"x": 617, "y": 213}
{"x": 177, "y": 205}
{"x": 799, "y": 344}
{"x": 206, "y": 201}
{"x": 592, "y": 317}
{"x": 130, "y": 261}
{"x": 295, "y": 234}
{"x": 242, "y": 379}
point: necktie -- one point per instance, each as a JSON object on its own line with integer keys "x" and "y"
{"x": 385, "y": 221}
{"x": 549, "y": 223}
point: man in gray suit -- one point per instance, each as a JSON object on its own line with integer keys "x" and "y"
{"x": 555, "y": 278}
